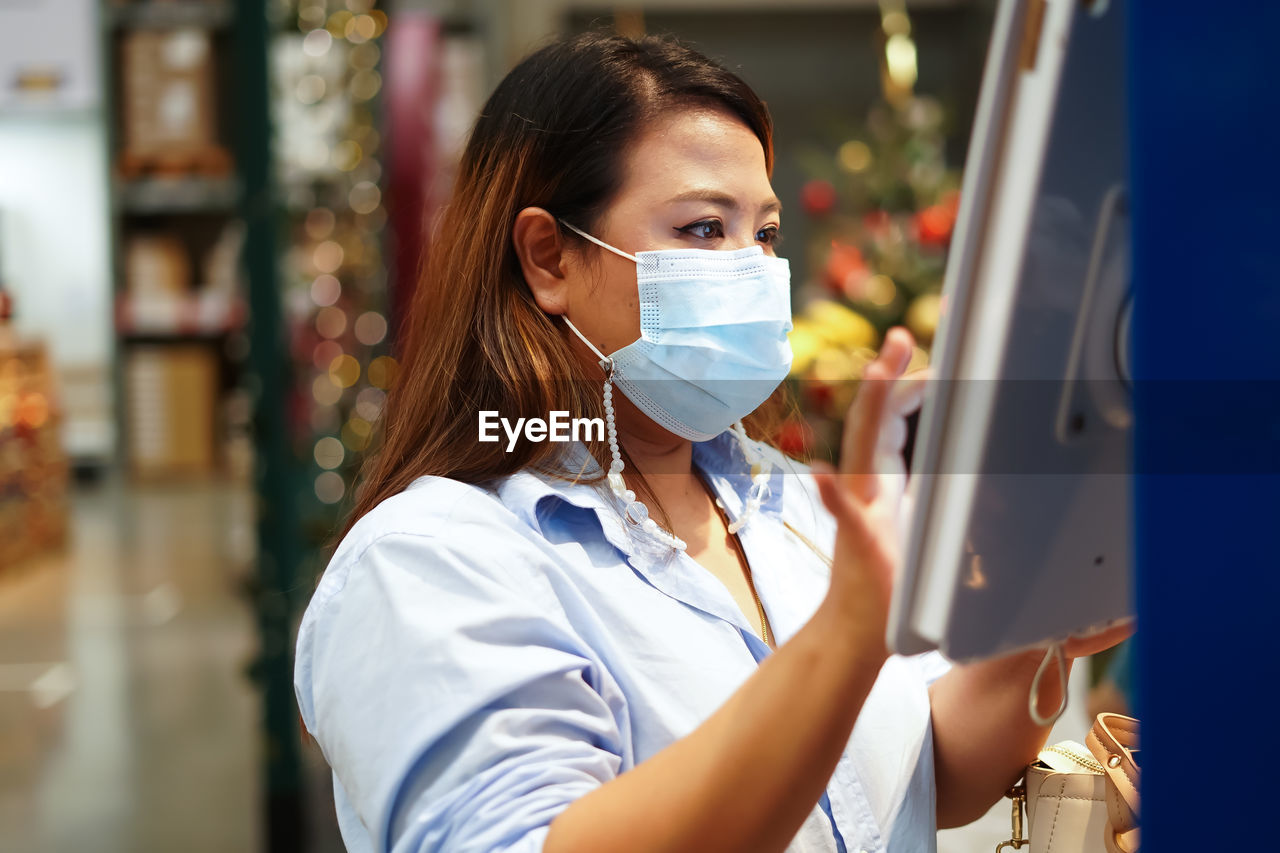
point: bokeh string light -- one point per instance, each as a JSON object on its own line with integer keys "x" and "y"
{"x": 326, "y": 60}
{"x": 33, "y": 465}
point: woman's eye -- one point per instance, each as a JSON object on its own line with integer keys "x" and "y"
{"x": 706, "y": 229}
{"x": 769, "y": 235}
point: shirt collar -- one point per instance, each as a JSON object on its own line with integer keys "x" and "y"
{"x": 529, "y": 494}
{"x": 535, "y": 496}
{"x": 532, "y": 496}
{"x": 721, "y": 458}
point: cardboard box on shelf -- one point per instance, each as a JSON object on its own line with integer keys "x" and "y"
{"x": 171, "y": 395}
{"x": 168, "y": 104}
{"x": 156, "y": 265}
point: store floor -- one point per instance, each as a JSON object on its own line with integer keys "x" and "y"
{"x": 126, "y": 723}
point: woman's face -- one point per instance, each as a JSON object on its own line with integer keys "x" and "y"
{"x": 694, "y": 179}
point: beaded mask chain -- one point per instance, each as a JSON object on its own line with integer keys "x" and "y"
{"x": 634, "y": 512}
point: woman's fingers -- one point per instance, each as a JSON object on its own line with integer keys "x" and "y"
{"x": 866, "y": 540}
{"x": 866, "y": 417}
{"x": 1079, "y": 647}
{"x": 905, "y": 397}
{"x": 908, "y": 392}
{"x": 862, "y": 432}
{"x": 862, "y": 560}
{"x": 896, "y": 350}
{"x": 836, "y": 498}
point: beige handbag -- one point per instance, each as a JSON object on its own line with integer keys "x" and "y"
{"x": 1082, "y": 799}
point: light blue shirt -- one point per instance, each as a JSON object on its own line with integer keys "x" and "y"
{"x": 475, "y": 659}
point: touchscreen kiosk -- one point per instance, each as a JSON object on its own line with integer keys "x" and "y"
{"x": 1020, "y": 488}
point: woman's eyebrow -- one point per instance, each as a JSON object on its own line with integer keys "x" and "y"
{"x": 772, "y": 205}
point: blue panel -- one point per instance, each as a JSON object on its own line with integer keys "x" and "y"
{"x": 1205, "y": 177}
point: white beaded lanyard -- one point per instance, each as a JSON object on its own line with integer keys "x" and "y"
{"x": 761, "y": 469}
{"x": 634, "y": 511}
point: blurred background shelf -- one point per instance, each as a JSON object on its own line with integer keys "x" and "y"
{"x": 185, "y": 194}
{"x": 179, "y": 318}
{"x": 176, "y": 198}
{"x": 209, "y": 14}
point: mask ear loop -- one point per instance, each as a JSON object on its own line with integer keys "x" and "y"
{"x": 634, "y": 512}
{"x": 602, "y": 244}
{"x": 761, "y": 468}
{"x": 1053, "y": 651}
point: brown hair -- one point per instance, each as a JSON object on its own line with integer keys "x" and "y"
{"x": 552, "y": 135}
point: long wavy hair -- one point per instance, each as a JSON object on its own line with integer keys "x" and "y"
{"x": 554, "y": 135}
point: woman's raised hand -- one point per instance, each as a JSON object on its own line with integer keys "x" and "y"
{"x": 866, "y": 494}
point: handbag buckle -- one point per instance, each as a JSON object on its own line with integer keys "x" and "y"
{"x": 1018, "y": 793}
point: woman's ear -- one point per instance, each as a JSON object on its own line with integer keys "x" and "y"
{"x": 536, "y": 237}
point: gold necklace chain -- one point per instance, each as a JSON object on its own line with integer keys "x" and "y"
{"x": 742, "y": 560}
{"x": 812, "y": 547}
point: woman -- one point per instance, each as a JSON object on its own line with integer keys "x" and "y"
{"x": 659, "y": 638}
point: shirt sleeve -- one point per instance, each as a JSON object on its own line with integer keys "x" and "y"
{"x": 933, "y": 665}
{"x": 450, "y": 695}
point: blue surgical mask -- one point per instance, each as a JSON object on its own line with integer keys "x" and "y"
{"x": 713, "y": 336}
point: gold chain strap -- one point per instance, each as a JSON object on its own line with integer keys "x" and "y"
{"x": 812, "y": 547}
{"x": 1018, "y": 793}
